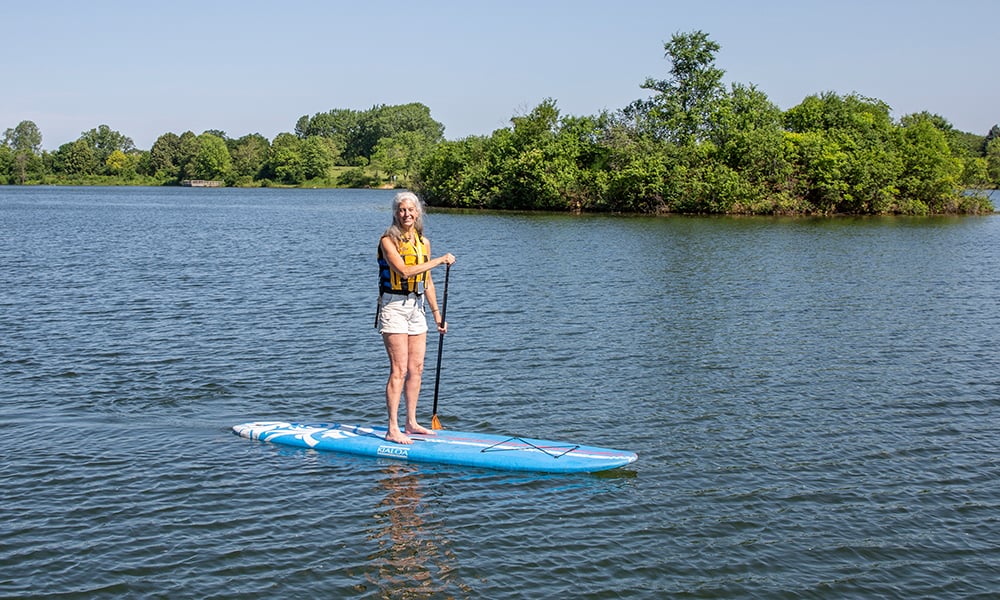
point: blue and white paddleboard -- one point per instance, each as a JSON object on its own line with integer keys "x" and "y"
{"x": 446, "y": 447}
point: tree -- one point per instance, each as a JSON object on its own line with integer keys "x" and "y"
{"x": 961, "y": 143}
{"x": 212, "y": 160}
{"x": 993, "y": 134}
{"x": 538, "y": 126}
{"x": 286, "y": 162}
{"x": 338, "y": 126}
{"x": 976, "y": 173}
{"x": 531, "y": 165}
{"x": 993, "y": 160}
{"x": 637, "y": 165}
{"x": 845, "y": 153}
{"x": 164, "y": 156}
{"x": 930, "y": 173}
{"x": 818, "y": 163}
{"x": 682, "y": 107}
{"x": 389, "y": 121}
{"x": 77, "y": 158}
{"x": 6, "y": 164}
{"x": 188, "y": 146}
{"x": 121, "y": 164}
{"x": 390, "y": 155}
{"x": 104, "y": 140}
{"x": 452, "y": 173}
{"x": 414, "y": 148}
{"x": 25, "y": 143}
{"x": 353, "y": 135}
{"x": 219, "y": 134}
{"x": 318, "y": 157}
{"x": 250, "y": 154}
{"x": 748, "y": 137}
{"x": 26, "y": 137}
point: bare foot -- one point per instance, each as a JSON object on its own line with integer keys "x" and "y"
{"x": 398, "y": 438}
{"x": 419, "y": 429}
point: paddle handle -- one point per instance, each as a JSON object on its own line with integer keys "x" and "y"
{"x": 444, "y": 312}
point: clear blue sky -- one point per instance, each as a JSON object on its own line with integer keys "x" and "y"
{"x": 253, "y": 66}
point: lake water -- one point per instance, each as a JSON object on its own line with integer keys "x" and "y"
{"x": 814, "y": 402}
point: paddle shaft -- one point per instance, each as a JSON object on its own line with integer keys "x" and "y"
{"x": 444, "y": 312}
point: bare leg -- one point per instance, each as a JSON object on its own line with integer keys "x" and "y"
{"x": 397, "y": 347}
{"x": 417, "y": 348}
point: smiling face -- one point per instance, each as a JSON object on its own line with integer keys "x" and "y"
{"x": 407, "y": 214}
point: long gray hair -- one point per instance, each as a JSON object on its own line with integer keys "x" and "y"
{"x": 395, "y": 231}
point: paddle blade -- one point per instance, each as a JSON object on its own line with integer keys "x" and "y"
{"x": 435, "y": 423}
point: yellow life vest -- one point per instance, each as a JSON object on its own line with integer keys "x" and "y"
{"x": 391, "y": 282}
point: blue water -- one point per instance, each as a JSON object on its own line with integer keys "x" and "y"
{"x": 814, "y": 402}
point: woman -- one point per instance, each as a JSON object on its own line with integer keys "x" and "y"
{"x": 405, "y": 288}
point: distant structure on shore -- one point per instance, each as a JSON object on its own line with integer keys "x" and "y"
{"x": 201, "y": 183}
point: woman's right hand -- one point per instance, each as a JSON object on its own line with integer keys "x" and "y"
{"x": 448, "y": 259}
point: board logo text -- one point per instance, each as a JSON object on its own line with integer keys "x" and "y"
{"x": 394, "y": 451}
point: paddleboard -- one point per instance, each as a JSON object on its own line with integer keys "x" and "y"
{"x": 447, "y": 447}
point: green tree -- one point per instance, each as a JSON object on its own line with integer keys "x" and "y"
{"x": 748, "y": 137}
{"x": 389, "y": 121}
{"x": 976, "y": 173}
{"x": 142, "y": 162}
{"x": 25, "y": 143}
{"x": 188, "y": 146}
{"x": 541, "y": 162}
{"x": 122, "y": 165}
{"x": 77, "y": 158}
{"x": 818, "y": 163}
{"x": 637, "y": 171}
{"x": 452, "y": 173}
{"x": 219, "y": 134}
{"x": 164, "y": 156}
{"x": 390, "y": 155}
{"x": 993, "y": 134}
{"x": 513, "y": 174}
{"x": 6, "y": 164}
{"x": 104, "y": 140}
{"x": 354, "y": 134}
{"x": 845, "y": 153}
{"x": 962, "y": 144}
{"x": 212, "y": 160}
{"x": 538, "y": 126}
{"x": 286, "y": 164}
{"x": 929, "y": 181}
{"x": 25, "y": 137}
{"x": 681, "y": 110}
{"x": 993, "y": 160}
{"x": 250, "y": 155}
{"x": 318, "y": 157}
{"x": 338, "y": 126}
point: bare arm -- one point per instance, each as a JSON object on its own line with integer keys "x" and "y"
{"x": 396, "y": 263}
{"x": 430, "y": 293}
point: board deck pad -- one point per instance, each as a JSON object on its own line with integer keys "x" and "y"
{"x": 446, "y": 447}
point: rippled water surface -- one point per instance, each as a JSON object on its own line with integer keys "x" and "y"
{"x": 814, "y": 402}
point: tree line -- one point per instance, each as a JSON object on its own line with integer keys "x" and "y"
{"x": 341, "y": 147}
{"x": 695, "y": 146}
{"x": 692, "y": 146}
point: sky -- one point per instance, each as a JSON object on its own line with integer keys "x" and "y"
{"x": 252, "y": 66}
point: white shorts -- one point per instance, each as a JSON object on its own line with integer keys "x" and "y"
{"x": 402, "y": 314}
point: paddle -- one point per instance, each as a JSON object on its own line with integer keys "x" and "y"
{"x": 435, "y": 423}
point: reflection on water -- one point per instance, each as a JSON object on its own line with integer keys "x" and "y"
{"x": 413, "y": 559}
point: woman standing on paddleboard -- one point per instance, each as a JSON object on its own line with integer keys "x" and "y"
{"x": 405, "y": 288}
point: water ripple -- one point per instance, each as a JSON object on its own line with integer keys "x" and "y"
{"x": 812, "y": 402}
